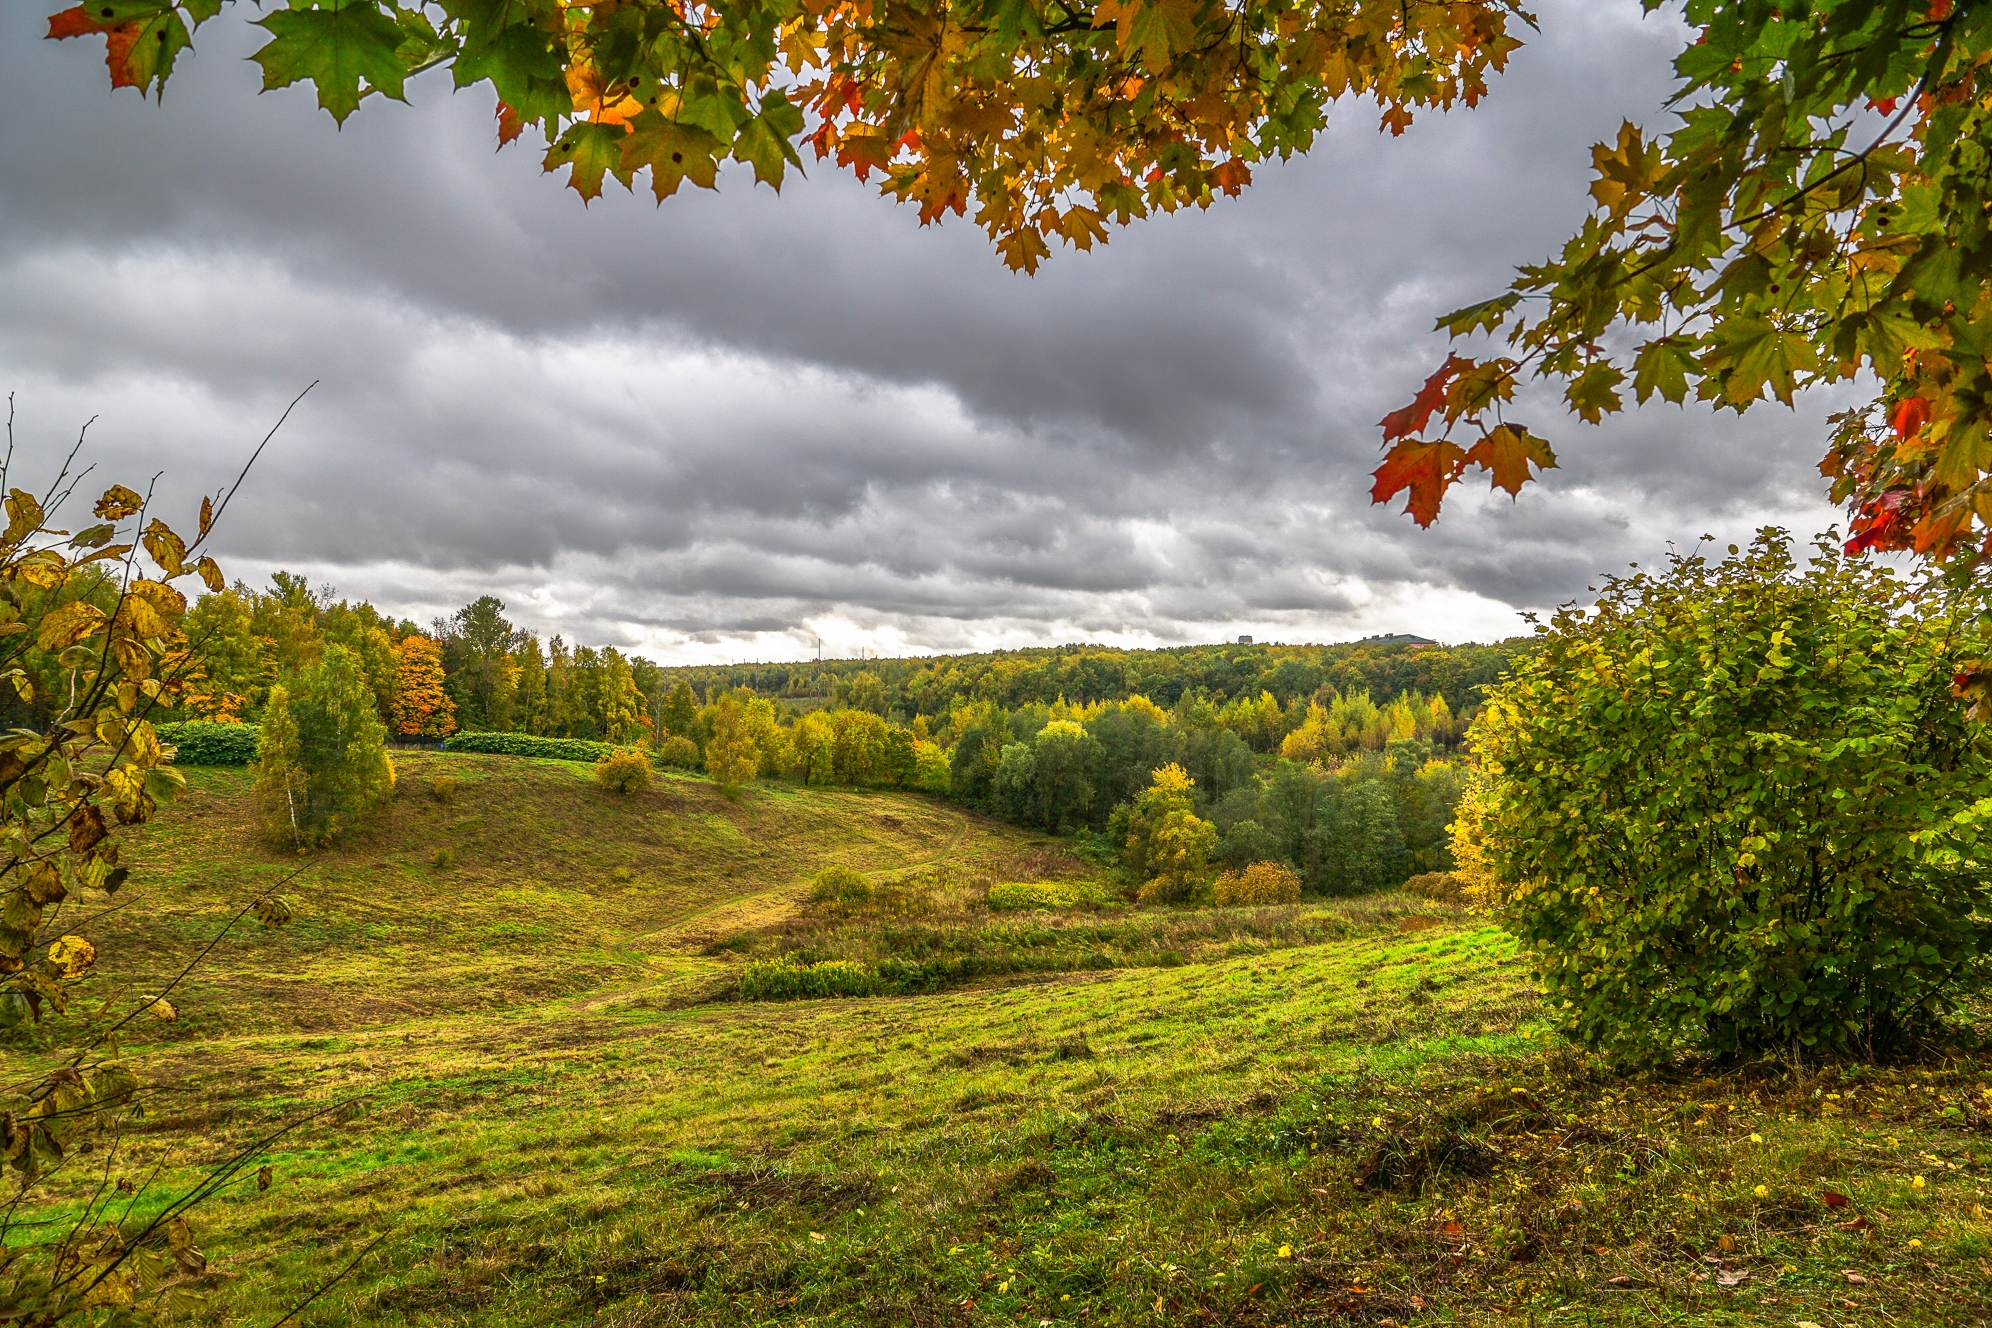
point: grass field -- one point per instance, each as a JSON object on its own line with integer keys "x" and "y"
{"x": 537, "y": 1094}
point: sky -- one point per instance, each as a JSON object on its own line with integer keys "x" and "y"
{"x": 738, "y": 424}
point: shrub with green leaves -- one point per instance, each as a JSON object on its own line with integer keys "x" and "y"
{"x": 786, "y": 979}
{"x": 678, "y": 752}
{"x": 204, "y": 742}
{"x": 840, "y": 885}
{"x": 1009, "y": 896}
{"x": 623, "y": 770}
{"x": 527, "y": 744}
{"x": 1737, "y": 808}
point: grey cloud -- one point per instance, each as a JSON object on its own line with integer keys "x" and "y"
{"x": 734, "y": 422}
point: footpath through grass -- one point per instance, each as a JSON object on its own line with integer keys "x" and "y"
{"x": 552, "y": 1113}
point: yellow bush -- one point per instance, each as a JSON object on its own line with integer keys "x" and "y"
{"x": 443, "y": 788}
{"x": 623, "y": 771}
{"x": 1259, "y": 883}
{"x": 1443, "y": 886}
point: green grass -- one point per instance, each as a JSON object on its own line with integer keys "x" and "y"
{"x": 556, "y": 1114}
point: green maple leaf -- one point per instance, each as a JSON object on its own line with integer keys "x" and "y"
{"x": 1595, "y": 391}
{"x": 337, "y": 48}
{"x": 592, "y": 150}
{"x": 673, "y": 152}
{"x": 1663, "y": 366}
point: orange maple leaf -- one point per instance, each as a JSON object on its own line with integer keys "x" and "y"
{"x": 1231, "y": 176}
{"x": 1426, "y": 469}
{"x": 1507, "y": 450}
{"x": 1909, "y": 418}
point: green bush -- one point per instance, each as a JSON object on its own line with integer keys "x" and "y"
{"x": 623, "y": 770}
{"x": 840, "y": 885}
{"x": 786, "y": 980}
{"x": 1009, "y": 896}
{"x": 526, "y": 744}
{"x": 679, "y": 752}
{"x": 1737, "y": 808}
{"x": 793, "y": 977}
{"x": 203, "y": 742}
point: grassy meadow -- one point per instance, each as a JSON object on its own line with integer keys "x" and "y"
{"x": 503, "y": 1034}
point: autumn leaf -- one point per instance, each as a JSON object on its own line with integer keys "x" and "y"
{"x": 1507, "y": 450}
{"x": 73, "y": 955}
{"x": 1412, "y": 419}
{"x": 1909, "y": 417}
{"x": 1426, "y": 469}
{"x": 210, "y": 574}
{"x": 118, "y": 503}
{"x": 167, "y": 549}
{"x": 1231, "y": 177}
{"x": 347, "y": 52}
{"x": 73, "y": 622}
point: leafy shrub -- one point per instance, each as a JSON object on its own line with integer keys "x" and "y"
{"x": 785, "y": 979}
{"x": 1008, "y": 896}
{"x": 623, "y": 770}
{"x": 203, "y": 742}
{"x": 1739, "y": 808}
{"x": 1442, "y": 886}
{"x": 840, "y": 885}
{"x": 441, "y": 859}
{"x": 443, "y": 788}
{"x": 1259, "y": 883}
{"x": 678, "y": 752}
{"x": 526, "y": 744}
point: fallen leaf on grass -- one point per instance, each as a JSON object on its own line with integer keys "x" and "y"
{"x": 1853, "y": 1277}
{"x": 1858, "y": 1224}
{"x": 1730, "y": 1278}
{"x": 1832, "y": 1200}
{"x": 1620, "y": 1281}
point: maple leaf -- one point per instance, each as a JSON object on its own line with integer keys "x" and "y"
{"x": 591, "y": 150}
{"x": 338, "y": 50}
{"x": 1411, "y": 419}
{"x": 1231, "y": 176}
{"x": 1507, "y": 450}
{"x": 1426, "y": 469}
{"x": 1595, "y": 391}
{"x": 673, "y": 152}
{"x": 1909, "y": 417}
{"x": 1662, "y": 366}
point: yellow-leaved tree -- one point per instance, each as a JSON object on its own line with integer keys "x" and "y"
{"x": 422, "y": 709}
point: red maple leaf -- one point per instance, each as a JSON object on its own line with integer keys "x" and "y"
{"x": 1404, "y": 422}
{"x": 1426, "y": 469}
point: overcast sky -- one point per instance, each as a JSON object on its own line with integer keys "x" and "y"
{"x": 714, "y": 430}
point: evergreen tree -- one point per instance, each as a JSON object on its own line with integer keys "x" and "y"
{"x": 681, "y": 710}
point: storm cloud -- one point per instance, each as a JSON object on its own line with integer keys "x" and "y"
{"x": 720, "y": 428}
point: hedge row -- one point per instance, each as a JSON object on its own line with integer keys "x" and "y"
{"x": 788, "y": 978}
{"x": 1006, "y": 896}
{"x": 526, "y": 744}
{"x": 203, "y": 742}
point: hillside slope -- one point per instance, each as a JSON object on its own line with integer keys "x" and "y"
{"x": 535, "y": 1094}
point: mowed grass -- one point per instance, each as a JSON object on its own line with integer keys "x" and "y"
{"x": 538, "y": 1098}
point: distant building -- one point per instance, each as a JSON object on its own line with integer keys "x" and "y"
{"x": 1244, "y": 640}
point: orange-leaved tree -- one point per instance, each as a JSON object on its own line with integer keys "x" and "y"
{"x": 422, "y": 709}
{"x": 103, "y": 601}
{"x": 1052, "y": 118}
